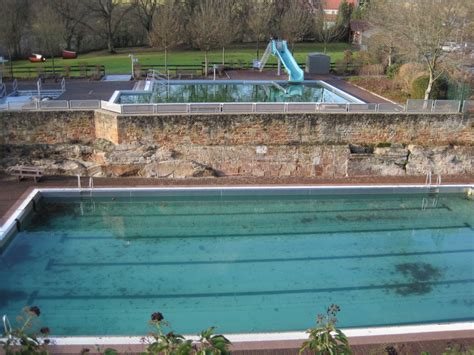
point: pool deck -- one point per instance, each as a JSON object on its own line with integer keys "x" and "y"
{"x": 13, "y": 193}
{"x": 80, "y": 89}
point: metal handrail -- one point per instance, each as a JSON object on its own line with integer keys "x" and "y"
{"x": 234, "y": 107}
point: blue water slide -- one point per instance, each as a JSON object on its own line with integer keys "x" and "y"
{"x": 280, "y": 49}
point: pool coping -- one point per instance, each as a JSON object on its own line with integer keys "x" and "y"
{"x": 345, "y": 95}
{"x": 18, "y": 215}
{"x": 13, "y": 223}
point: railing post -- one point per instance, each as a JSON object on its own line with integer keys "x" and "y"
{"x": 347, "y": 107}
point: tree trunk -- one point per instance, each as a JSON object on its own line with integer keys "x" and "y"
{"x": 325, "y": 47}
{"x": 11, "y": 64}
{"x": 223, "y": 56}
{"x": 258, "y": 49}
{"x": 205, "y": 63}
{"x": 52, "y": 60}
{"x": 69, "y": 42}
{"x": 110, "y": 38}
{"x": 430, "y": 86}
{"x": 166, "y": 60}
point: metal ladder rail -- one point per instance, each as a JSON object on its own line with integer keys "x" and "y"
{"x": 3, "y": 90}
{"x": 279, "y": 87}
{"x": 265, "y": 56}
{"x": 7, "y": 327}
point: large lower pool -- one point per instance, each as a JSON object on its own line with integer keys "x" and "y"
{"x": 244, "y": 261}
{"x": 236, "y": 91}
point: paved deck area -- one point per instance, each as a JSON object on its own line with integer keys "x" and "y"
{"x": 13, "y": 192}
{"x": 407, "y": 345}
{"x": 78, "y": 89}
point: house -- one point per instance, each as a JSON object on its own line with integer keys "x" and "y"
{"x": 360, "y": 31}
{"x": 331, "y": 7}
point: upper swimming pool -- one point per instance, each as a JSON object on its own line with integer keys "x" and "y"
{"x": 242, "y": 260}
{"x": 180, "y": 91}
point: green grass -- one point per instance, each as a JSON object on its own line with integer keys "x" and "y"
{"x": 120, "y": 63}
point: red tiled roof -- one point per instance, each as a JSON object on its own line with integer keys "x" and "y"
{"x": 334, "y": 4}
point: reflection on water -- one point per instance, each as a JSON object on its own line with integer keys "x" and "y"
{"x": 224, "y": 92}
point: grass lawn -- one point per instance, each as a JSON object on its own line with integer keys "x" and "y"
{"x": 120, "y": 63}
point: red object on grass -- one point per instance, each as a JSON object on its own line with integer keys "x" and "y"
{"x": 36, "y": 58}
{"x": 69, "y": 54}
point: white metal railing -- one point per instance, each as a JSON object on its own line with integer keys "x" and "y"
{"x": 419, "y": 106}
{"x": 62, "y": 105}
{"x": 468, "y": 106}
{"x": 412, "y": 106}
{"x": 53, "y": 105}
{"x": 84, "y": 104}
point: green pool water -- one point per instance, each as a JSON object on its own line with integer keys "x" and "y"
{"x": 241, "y": 262}
{"x": 233, "y": 92}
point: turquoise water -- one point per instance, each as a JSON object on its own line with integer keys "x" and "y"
{"x": 98, "y": 266}
{"x": 234, "y": 92}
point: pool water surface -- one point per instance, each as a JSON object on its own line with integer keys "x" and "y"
{"x": 242, "y": 262}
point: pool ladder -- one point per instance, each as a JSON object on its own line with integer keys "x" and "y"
{"x": 91, "y": 182}
{"x": 7, "y": 327}
{"x": 433, "y": 188}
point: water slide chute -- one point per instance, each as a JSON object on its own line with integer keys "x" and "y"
{"x": 280, "y": 50}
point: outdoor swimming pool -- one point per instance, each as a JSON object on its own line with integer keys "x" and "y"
{"x": 235, "y": 91}
{"x": 242, "y": 260}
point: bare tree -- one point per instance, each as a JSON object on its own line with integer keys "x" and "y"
{"x": 146, "y": 10}
{"x": 71, "y": 14}
{"x": 49, "y": 30}
{"x": 14, "y": 17}
{"x": 109, "y": 15}
{"x": 167, "y": 30}
{"x": 326, "y": 29}
{"x": 205, "y": 26}
{"x": 227, "y": 27}
{"x": 259, "y": 20}
{"x": 420, "y": 28}
{"x": 295, "y": 22}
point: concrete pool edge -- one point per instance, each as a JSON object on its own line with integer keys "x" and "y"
{"x": 358, "y": 335}
{"x": 13, "y": 223}
{"x": 115, "y": 98}
{"x": 8, "y": 230}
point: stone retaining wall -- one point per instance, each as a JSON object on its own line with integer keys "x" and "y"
{"x": 328, "y": 145}
{"x": 46, "y": 127}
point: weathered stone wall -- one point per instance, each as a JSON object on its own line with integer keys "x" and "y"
{"x": 46, "y": 127}
{"x": 290, "y": 129}
{"x": 327, "y": 145}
